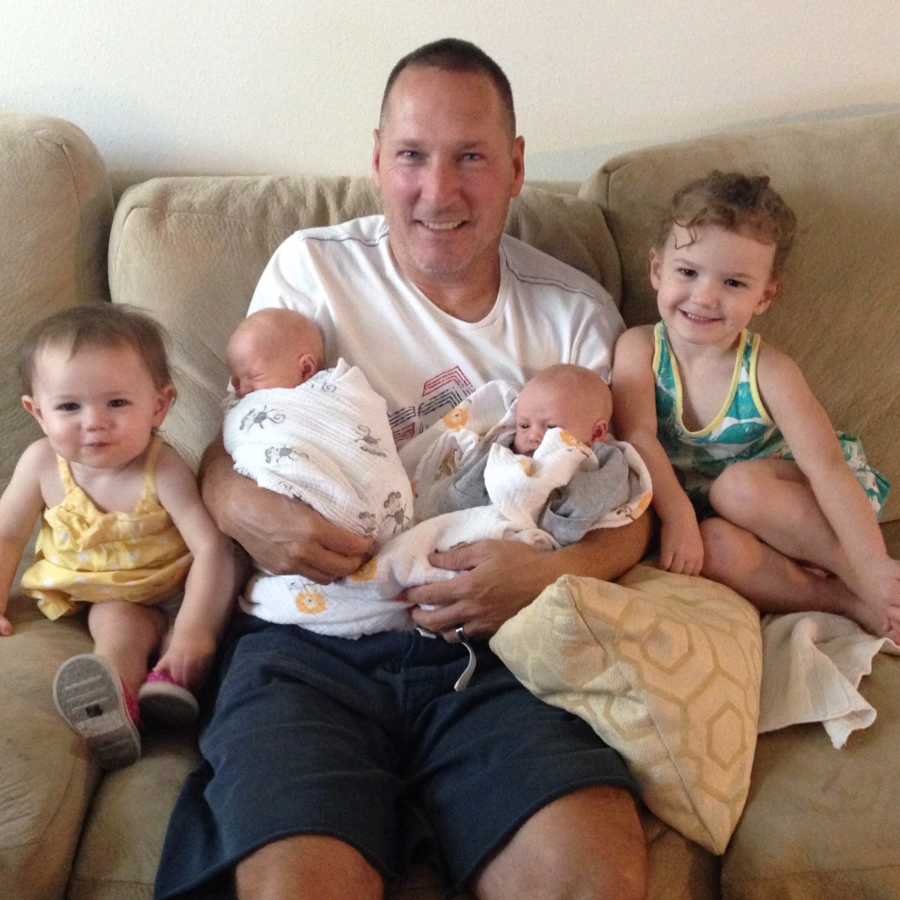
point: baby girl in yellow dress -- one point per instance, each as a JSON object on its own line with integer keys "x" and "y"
{"x": 124, "y": 528}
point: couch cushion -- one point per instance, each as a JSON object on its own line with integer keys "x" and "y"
{"x": 821, "y": 822}
{"x": 665, "y": 668}
{"x": 123, "y": 836}
{"x": 57, "y": 208}
{"x": 191, "y": 250}
{"x": 46, "y": 780}
{"x": 838, "y": 315}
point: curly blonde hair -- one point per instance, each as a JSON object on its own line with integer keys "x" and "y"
{"x": 736, "y": 202}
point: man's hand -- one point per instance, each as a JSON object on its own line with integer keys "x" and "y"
{"x": 498, "y": 578}
{"x": 283, "y": 536}
{"x": 287, "y": 537}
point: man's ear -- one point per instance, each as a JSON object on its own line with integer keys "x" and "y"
{"x": 600, "y": 431}
{"x": 376, "y": 153}
{"x": 518, "y": 161}
{"x": 307, "y": 367}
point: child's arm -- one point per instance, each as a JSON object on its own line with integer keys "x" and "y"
{"x": 634, "y": 417}
{"x": 212, "y": 580}
{"x": 810, "y": 435}
{"x": 20, "y": 506}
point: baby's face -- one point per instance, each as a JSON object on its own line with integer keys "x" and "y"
{"x": 547, "y": 405}
{"x": 257, "y": 364}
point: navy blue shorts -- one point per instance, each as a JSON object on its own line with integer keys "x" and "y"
{"x": 366, "y": 741}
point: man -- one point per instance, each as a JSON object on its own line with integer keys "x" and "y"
{"x": 321, "y": 749}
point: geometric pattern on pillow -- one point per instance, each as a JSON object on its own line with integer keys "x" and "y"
{"x": 666, "y": 669}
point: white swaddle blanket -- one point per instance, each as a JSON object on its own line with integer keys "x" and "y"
{"x": 365, "y": 603}
{"x": 434, "y": 457}
{"x": 327, "y": 443}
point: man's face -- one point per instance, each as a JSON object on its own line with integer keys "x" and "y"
{"x": 447, "y": 168}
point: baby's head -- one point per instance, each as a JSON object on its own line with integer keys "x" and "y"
{"x": 97, "y": 380}
{"x": 570, "y": 397}
{"x": 735, "y": 202}
{"x": 274, "y": 348}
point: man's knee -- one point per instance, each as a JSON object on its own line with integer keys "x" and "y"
{"x": 588, "y": 844}
{"x": 307, "y": 866}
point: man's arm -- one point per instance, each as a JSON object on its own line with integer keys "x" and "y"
{"x": 283, "y": 536}
{"x": 501, "y": 577}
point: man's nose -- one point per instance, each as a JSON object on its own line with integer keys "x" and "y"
{"x": 441, "y": 182}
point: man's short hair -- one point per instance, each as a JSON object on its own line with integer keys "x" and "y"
{"x": 455, "y": 55}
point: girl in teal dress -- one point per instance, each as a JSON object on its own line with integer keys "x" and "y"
{"x": 751, "y": 483}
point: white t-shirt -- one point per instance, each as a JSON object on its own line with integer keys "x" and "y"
{"x": 420, "y": 359}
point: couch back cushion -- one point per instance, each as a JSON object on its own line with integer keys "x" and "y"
{"x": 56, "y": 204}
{"x": 190, "y": 251}
{"x": 838, "y": 315}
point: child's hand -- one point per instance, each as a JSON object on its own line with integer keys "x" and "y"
{"x": 681, "y": 546}
{"x": 188, "y": 657}
{"x": 5, "y": 626}
{"x": 878, "y": 588}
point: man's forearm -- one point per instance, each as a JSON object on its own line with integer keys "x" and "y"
{"x": 605, "y": 553}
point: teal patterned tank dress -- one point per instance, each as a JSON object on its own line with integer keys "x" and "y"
{"x": 742, "y": 429}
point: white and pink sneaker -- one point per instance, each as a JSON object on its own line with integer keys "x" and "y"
{"x": 162, "y": 699}
{"x": 90, "y": 696}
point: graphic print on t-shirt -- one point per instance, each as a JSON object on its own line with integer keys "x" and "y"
{"x": 440, "y": 394}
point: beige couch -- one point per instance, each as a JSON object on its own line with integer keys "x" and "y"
{"x": 819, "y": 823}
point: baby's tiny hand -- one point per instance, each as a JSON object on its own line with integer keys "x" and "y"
{"x": 6, "y": 628}
{"x": 681, "y": 546}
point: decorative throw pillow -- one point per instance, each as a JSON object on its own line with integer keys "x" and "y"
{"x": 666, "y": 669}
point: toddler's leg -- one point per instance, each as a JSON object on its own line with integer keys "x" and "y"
{"x": 126, "y": 634}
{"x": 773, "y": 582}
{"x": 96, "y": 693}
{"x": 772, "y": 499}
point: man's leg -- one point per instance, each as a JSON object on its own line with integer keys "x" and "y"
{"x": 298, "y": 792}
{"x": 307, "y": 866}
{"x": 524, "y": 798}
{"x": 588, "y": 844}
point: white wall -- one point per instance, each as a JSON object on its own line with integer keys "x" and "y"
{"x": 174, "y": 86}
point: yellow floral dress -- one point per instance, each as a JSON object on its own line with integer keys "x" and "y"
{"x": 85, "y": 555}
